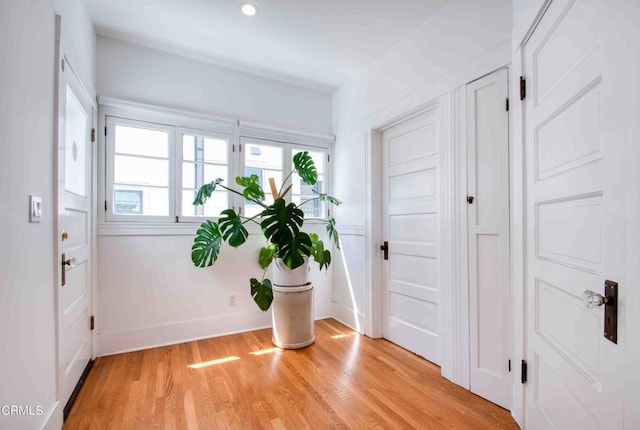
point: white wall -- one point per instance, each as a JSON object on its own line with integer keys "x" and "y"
{"x": 462, "y": 41}
{"x": 143, "y": 75}
{"x": 79, "y": 40}
{"x": 27, "y": 303}
{"x": 149, "y": 292}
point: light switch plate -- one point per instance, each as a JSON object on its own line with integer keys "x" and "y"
{"x": 35, "y": 208}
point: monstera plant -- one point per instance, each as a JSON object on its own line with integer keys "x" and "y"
{"x": 281, "y": 224}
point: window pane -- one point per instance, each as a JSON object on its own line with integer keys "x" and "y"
{"x": 75, "y": 163}
{"x": 141, "y": 171}
{"x": 140, "y": 200}
{"x": 266, "y": 162}
{"x": 196, "y": 175}
{"x": 199, "y": 148}
{"x": 204, "y": 160}
{"x": 141, "y": 141}
{"x": 302, "y": 191}
{"x": 263, "y": 156}
{"x": 215, "y": 204}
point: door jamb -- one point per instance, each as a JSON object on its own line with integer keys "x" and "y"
{"x": 517, "y": 215}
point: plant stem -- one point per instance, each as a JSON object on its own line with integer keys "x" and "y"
{"x": 246, "y": 220}
{"x": 243, "y": 196}
{"x": 307, "y": 201}
{"x": 285, "y": 181}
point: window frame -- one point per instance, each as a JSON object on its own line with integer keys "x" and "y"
{"x": 111, "y": 123}
{"x": 288, "y": 149}
{"x": 327, "y": 173}
{"x": 180, "y": 132}
{"x": 177, "y": 123}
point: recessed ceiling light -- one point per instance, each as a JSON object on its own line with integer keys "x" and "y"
{"x": 248, "y": 9}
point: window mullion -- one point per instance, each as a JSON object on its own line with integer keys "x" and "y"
{"x": 174, "y": 170}
{"x": 238, "y": 170}
{"x": 287, "y": 165}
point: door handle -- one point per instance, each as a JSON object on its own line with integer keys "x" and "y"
{"x": 385, "y": 247}
{"x": 592, "y": 299}
{"x": 66, "y": 263}
{"x": 610, "y": 301}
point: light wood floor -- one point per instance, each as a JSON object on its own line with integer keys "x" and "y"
{"x": 344, "y": 380}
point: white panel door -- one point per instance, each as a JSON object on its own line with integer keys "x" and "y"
{"x": 74, "y": 231}
{"x": 575, "y": 221}
{"x": 488, "y": 229}
{"x": 410, "y": 225}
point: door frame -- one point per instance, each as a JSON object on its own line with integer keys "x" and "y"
{"x": 522, "y": 31}
{"x": 518, "y": 203}
{"x": 60, "y": 55}
{"x": 373, "y": 326}
{"x": 447, "y": 94}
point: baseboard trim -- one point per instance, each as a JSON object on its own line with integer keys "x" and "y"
{"x": 53, "y": 420}
{"x": 76, "y": 390}
{"x": 348, "y": 317}
{"x": 118, "y": 342}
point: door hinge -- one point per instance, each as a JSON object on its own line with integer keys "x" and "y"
{"x": 233, "y": 148}
{"x": 62, "y": 64}
{"x": 523, "y": 88}
{"x": 523, "y": 372}
{"x": 93, "y": 135}
{"x": 507, "y": 104}
{"x": 92, "y": 322}
{"x": 509, "y": 365}
{"x": 105, "y": 205}
{"x": 240, "y": 147}
{"x": 470, "y": 199}
{"x": 105, "y": 130}
{"x": 328, "y": 158}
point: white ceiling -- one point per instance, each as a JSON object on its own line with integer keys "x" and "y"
{"x": 320, "y": 43}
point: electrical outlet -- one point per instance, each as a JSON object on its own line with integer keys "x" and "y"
{"x": 233, "y": 300}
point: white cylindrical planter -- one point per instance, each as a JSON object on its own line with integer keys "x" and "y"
{"x": 292, "y": 307}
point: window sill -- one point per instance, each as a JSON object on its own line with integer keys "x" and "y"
{"x": 177, "y": 229}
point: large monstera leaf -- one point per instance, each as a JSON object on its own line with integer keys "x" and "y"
{"x": 232, "y": 229}
{"x": 262, "y": 293}
{"x": 206, "y": 244}
{"x": 205, "y": 192}
{"x": 320, "y": 255}
{"x": 266, "y": 256}
{"x": 303, "y": 163}
{"x": 252, "y": 188}
{"x": 293, "y": 251}
{"x": 281, "y": 222}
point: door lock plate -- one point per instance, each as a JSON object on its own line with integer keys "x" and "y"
{"x": 611, "y": 311}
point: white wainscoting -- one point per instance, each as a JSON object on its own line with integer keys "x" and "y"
{"x": 151, "y": 294}
{"x": 349, "y": 278}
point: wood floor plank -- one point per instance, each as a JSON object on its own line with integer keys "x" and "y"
{"x": 343, "y": 381}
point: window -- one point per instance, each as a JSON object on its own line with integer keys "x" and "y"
{"x": 302, "y": 192}
{"x": 153, "y": 171}
{"x": 204, "y": 159}
{"x": 265, "y": 161}
{"x": 140, "y": 170}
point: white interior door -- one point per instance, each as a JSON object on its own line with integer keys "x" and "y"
{"x": 74, "y": 192}
{"x": 488, "y": 230}
{"x": 410, "y": 226}
{"x": 575, "y": 220}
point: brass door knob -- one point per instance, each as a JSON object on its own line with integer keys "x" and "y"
{"x": 64, "y": 235}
